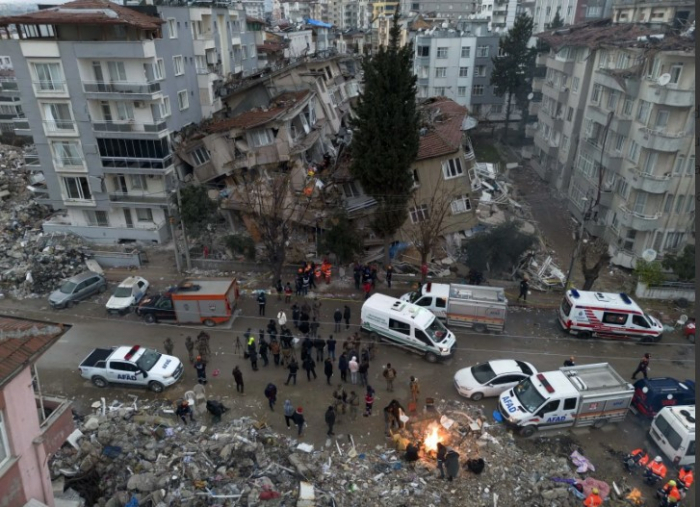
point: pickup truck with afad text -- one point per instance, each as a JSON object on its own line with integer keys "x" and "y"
{"x": 134, "y": 366}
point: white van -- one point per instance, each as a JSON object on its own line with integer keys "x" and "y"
{"x": 673, "y": 432}
{"x": 606, "y": 315}
{"x": 408, "y": 326}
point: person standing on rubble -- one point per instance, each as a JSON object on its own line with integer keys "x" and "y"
{"x": 594, "y": 499}
{"x": 389, "y": 275}
{"x": 279, "y": 289}
{"x": 271, "y": 395}
{"x": 524, "y": 288}
{"x": 316, "y": 308}
{"x": 253, "y": 354}
{"x": 452, "y": 463}
{"x": 288, "y": 413}
{"x": 168, "y": 345}
{"x": 201, "y": 366}
{"x": 298, "y": 419}
{"x": 288, "y": 293}
{"x": 369, "y": 401}
{"x": 441, "y": 455}
{"x": 183, "y": 410}
{"x": 330, "y": 420}
{"x": 189, "y": 345}
{"x": 363, "y": 370}
{"x": 238, "y": 377}
{"x": 346, "y": 316}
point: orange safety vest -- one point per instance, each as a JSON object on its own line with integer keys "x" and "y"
{"x": 644, "y": 459}
{"x": 318, "y": 272}
{"x": 672, "y": 492}
{"x": 657, "y": 468}
{"x": 686, "y": 478}
{"x": 593, "y": 500}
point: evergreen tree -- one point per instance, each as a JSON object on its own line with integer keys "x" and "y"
{"x": 512, "y": 72}
{"x": 385, "y": 137}
{"x": 557, "y": 21}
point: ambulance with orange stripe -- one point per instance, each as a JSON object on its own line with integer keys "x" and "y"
{"x": 607, "y": 315}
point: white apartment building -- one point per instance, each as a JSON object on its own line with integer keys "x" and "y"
{"x": 501, "y": 13}
{"x": 616, "y": 134}
{"x": 544, "y": 11}
{"x": 349, "y": 14}
{"x": 103, "y": 89}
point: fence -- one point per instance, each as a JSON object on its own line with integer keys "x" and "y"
{"x": 134, "y": 258}
{"x": 667, "y": 290}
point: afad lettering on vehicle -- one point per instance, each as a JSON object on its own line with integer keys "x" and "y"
{"x": 124, "y": 376}
{"x": 166, "y": 363}
{"x": 556, "y": 419}
{"x": 510, "y": 405}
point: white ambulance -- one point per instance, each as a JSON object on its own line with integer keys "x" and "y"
{"x": 606, "y": 315}
{"x": 673, "y": 431}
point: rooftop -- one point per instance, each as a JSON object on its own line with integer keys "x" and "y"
{"x": 22, "y": 342}
{"x": 442, "y": 117}
{"x": 82, "y": 12}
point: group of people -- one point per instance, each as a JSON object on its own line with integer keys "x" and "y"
{"x": 655, "y": 471}
{"x": 366, "y": 276}
{"x": 307, "y": 276}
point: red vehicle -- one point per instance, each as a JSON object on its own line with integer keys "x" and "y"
{"x": 689, "y": 330}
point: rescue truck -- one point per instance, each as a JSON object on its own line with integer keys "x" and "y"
{"x": 587, "y": 395}
{"x": 606, "y": 315}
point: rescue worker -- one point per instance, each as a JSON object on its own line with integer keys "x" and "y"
{"x": 594, "y": 499}
{"x": 636, "y": 459}
{"x": 183, "y": 410}
{"x": 415, "y": 389}
{"x": 326, "y": 269}
{"x": 655, "y": 471}
{"x": 685, "y": 478}
{"x": 669, "y": 493}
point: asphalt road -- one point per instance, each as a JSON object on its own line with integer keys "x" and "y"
{"x": 532, "y": 335}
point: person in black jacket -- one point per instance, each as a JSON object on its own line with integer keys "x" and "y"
{"x": 328, "y": 370}
{"x": 346, "y": 316}
{"x": 343, "y": 367}
{"x": 319, "y": 345}
{"x": 330, "y": 420}
{"x": 330, "y": 346}
{"x": 310, "y": 367}
{"x": 441, "y": 455}
{"x": 337, "y": 318}
{"x": 263, "y": 348}
{"x": 298, "y": 419}
{"x": 271, "y": 395}
{"x": 293, "y": 369}
{"x": 296, "y": 315}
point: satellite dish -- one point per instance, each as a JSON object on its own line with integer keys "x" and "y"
{"x": 530, "y": 96}
{"x": 664, "y": 79}
{"x": 649, "y": 255}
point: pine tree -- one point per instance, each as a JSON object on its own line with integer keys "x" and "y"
{"x": 385, "y": 137}
{"x": 512, "y": 72}
{"x": 557, "y": 21}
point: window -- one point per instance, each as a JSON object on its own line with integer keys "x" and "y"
{"x": 464, "y": 72}
{"x": 482, "y": 52}
{"x": 138, "y": 182}
{"x": 619, "y": 143}
{"x": 49, "y": 77}
{"x": 67, "y": 153}
{"x": 691, "y": 205}
{"x": 125, "y": 111}
{"x": 159, "y": 69}
{"x": 690, "y": 168}
{"x": 623, "y": 188}
{"x": 628, "y": 243}
{"x": 416, "y": 179}
{"x": 261, "y": 137}
{"x": 178, "y": 65}
{"x": 77, "y": 188}
{"x": 576, "y": 84}
{"x": 200, "y": 155}
{"x": 480, "y": 71}
{"x": 671, "y": 435}
{"x": 595, "y": 96}
{"x": 439, "y": 91}
{"x": 38, "y": 31}
{"x": 57, "y": 116}
{"x": 5, "y": 452}
{"x": 165, "y": 107}
{"x": 461, "y": 91}
{"x": 461, "y": 205}
{"x": 452, "y": 168}
{"x": 570, "y": 403}
{"x": 477, "y": 90}
{"x": 676, "y": 70}
{"x": 96, "y": 218}
{"x": 117, "y": 71}
{"x": 640, "y": 321}
{"x": 183, "y": 100}
{"x": 496, "y": 109}
{"x": 613, "y": 96}
{"x": 643, "y": 111}
{"x": 668, "y": 203}
{"x": 442, "y": 52}
{"x": 144, "y": 215}
{"x": 244, "y": 52}
{"x": 440, "y": 71}
{"x": 586, "y": 165}
{"x": 662, "y": 118}
{"x": 421, "y": 336}
{"x": 466, "y": 52}
{"x": 570, "y": 114}
{"x": 422, "y": 51}
{"x": 172, "y": 28}
{"x": 614, "y": 318}
{"x": 627, "y": 107}
{"x": 623, "y": 60}
{"x": 679, "y": 204}
{"x": 566, "y": 143}
{"x": 633, "y": 152}
{"x": 419, "y": 213}
{"x": 640, "y": 202}
{"x": 577, "y": 196}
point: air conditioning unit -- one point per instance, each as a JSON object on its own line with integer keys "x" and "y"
{"x": 139, "y": 104}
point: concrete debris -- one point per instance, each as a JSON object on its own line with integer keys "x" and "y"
{"x": 241, "y": 461}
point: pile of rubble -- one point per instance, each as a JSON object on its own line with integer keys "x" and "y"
{"x": 31, "y": 263}
{"x": 125, "y": 451}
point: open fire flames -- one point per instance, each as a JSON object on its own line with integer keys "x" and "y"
{"x": 433, "y": 436}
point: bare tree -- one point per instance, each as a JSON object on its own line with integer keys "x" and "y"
{"x": 275, "y": 210}
{"x": 588, "y": 250}
{"x": 426, "y": 233}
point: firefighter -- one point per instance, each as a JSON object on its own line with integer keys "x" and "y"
{"x": 685, "y": 478}
{"x": 655, "y": 471}
{"x": 594, "y": 499}
{"x": 637, "y": 458}
{"x": 326, "y": 269}
{"x": 669, "y": 493}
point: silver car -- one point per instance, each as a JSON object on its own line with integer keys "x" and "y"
{"x": 76, "y": 288}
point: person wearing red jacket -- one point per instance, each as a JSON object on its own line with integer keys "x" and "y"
{"x": 669, "y": 494}
{"x": 685, "y": 478}
{"x": 594, "y": 499}
{"x": 655, "y": 471}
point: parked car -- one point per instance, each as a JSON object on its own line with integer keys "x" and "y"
{"x": 491, "y": 378}
{"x": 128, "y": 294}
{"x": 77, "y": 288}
{"x": 653, "y": 394}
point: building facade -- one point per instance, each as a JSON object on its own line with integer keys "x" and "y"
{"x": 616, "y": 135}
{"x": 101, "y": 100}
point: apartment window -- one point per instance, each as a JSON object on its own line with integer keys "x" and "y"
{"x": 577, "y": 195}
{"x": 183, "y": 100}
{"x": 117, "y": 71}
{"x": 623, "y": 188}
{"x": 138, "y": 182}
{"x": 461, "y": 91}
{"x": 650, "y": 162}
{"x": 144, "y": 215}
{"x": 77, "y": 188}
{"x": 49, "y": 77}
{"x": 570, "y": 114}
{"x": 613, "y": 96}
{"x": 244, "y": 52}
{"x": 350, "y": 190}
{"x": 482, "y": 52}
{"x": 676, "y": 70}
{"x": 5, "y": 452}
{"x": 496, "y": 109}
{"x": 619, "y": 143}
{"x": 691, "y": 204}
{"x": 674, "y": 239}
{"x": 668, "y": 203}
{"x": 633, "y": 152}
{"x": 461, "y": 205}
{"x": 452, "y": 168}
{"x": 480, "y": 71}
{"x": 595, "y": 96}
{"x": 477, "y": 90}
{"x": 96, "y": 218}
{"x": 178, "y": 65}
{"x": 464, "y": 72}
{"x": 466, "y": 52}
{"x": 576, "y": 84}
{"x": 690, "y": 168}
{"x": 67, "y": 153}
{"x": 38, "y": 31}
{"x": 586, "y": 166}
{"x": 643, "y": 111}
{"x": 440, "y": 71}
{"x": 125, "y": 111}
{"x": 662, "y": 118}
{"x": 679, "y": 204}
{"x": 439, "y": 91}
{"x": 165, "y": 107}
{"x": 159, "y": 69}
{"x": 200, "y": 155}
{"x": 594, "y": 12}
{"x": 640, "y": 202}
{"x": 172, "y": 28}
{"x": 628, "y": 107}
{"x": 442, "y": 52}
{"x": 629, "y": 240}
{"x": 565, "y": 144}
{"x": 419, "y": 214}
{"x": 57, "y": 116}
{"x": 422, "y": 51}
{"x": 261, "y": 137}
{"x": 623, "y": 60}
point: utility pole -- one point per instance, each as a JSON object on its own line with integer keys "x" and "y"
{"x": 184, "y": 231}
{"x": 585, "y": 217}
{"x": 171, "y": 221}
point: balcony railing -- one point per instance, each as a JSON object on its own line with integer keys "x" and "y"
{"x": 49, "y": 87}
{"x": 664, "y": 133}
{"x": 58, "y": 126}
{"x": 651, "y": 183}
{"x": 134, "y": 198}
{"x": 129, "y": 126}
{"x": 121, "y": 87}
{"x": 639, "y": 221}
{"x": 137, "y": 163}
{"x": 68, "y": 162}
{"x": 8, "y": 84}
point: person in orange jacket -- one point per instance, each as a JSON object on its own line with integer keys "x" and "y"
{"x": 669, "y": 493}
{"x": 655, "y": 471}
{"x": 637, "y": 458}
{"x": 594, "y": 499}
{"x": 685, "y": 478}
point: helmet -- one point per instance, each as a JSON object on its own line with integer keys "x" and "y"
{"x": 658, "y": 459}
{"x": 671, "y": 482}
{"x": 686, "y": 468}
{"x": 595, "y": 491}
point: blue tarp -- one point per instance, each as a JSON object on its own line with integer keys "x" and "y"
{"x": 321, "y": 24}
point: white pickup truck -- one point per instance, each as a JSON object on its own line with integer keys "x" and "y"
{"x": 135, "y": 366}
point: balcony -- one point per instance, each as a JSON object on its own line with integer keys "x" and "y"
{"x": 56, "y": 421}
{"x": 60, "y": 127}
{"x": 137, "y": 201}
{"x": 650, "y": 183}
{"x": 639, "y": 221}
{"x": 50, "y": 88}
{"x": 662, "y": 140}
{"x": 558, "y": 93}
{"x": 202, "y": 45}
{"x": 129, "y": 129}
{"x": 133, "y": 165}
{"x": 612, "y": 160}
{"x": 31, "y": 160}
{"x": 9, "y": 85}
{"x": 547, "y": 145}
{"x": 606, "y": 198}
{"x": 619, "y": 124}
{"x": 668, "y": 96}
{"x": 107, "y": 50}
{"x": 565, "y": 66}
{"x": 121, "y": 90}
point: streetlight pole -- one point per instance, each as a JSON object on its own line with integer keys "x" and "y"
{"x": 578, "y": 245}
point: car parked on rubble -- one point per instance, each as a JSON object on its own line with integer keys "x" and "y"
{"x": 77, "y": 288}
{"x": 127, "y": 295}
{"x": 491, "y": 378}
